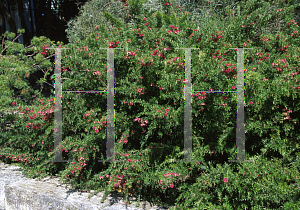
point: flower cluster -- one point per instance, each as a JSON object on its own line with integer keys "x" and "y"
{"x": 44, "y": 48}
{"x": 217, "y": 36}
{"x": 170, "y": 31}
{"x": 112, "y": 45}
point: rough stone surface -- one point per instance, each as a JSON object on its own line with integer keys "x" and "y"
{"x": 20, "y": 193}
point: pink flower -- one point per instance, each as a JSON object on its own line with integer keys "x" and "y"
{"x": 171, "y": 186}
{"x": 125, "y": 141}
{"x": 166, "y": 3}
{"x": 233, "y": 87}
{"x": 225, "y": 180}
{"x": 141, "y": 35}
{"x": 126, "y": 155}
{"x": 250, "y": 102}
{"x": 144, "y": 18}
{"x": 96, "y": 131}
{"x": 146, "y": 24}
{"x": 14, "y": 103}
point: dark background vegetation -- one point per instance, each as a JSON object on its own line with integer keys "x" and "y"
{"x": 51, "y": 16}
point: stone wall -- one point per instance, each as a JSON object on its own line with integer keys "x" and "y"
{"x": 19, "y": 193}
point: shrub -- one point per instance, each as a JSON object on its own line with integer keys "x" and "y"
{"x": 147, "y": 74}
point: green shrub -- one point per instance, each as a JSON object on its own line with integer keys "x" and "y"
{"x": 149, "y": 108}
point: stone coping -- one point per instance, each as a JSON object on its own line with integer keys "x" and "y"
{"x": 20, "y": 192}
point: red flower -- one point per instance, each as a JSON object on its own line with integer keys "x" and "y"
{"x": 166, "y": 3}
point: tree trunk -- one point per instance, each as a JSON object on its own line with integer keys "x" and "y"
{"x": 49, "y": 20}
{"x": 37, "y": 11}
{"x": 2, "y": 22}
{"x": 26, "y": 35}
{"x": 9, "y": 19}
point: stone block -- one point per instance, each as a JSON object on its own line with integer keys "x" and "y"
{"x": 18, "y": 192}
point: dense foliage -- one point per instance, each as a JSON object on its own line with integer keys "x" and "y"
{"x": 149, "y": 107}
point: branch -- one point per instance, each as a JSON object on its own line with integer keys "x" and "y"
{"x": 2, "y": 43}
{"x": 28, "y": 46}
{"x": 50, "y": 84}
{"x": 9, "y": 44}
{"x": 41, "y": 85}
{"x": 50, "y": 56}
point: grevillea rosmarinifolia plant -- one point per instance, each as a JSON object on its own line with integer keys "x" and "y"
{"x": 149, "y": 110}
